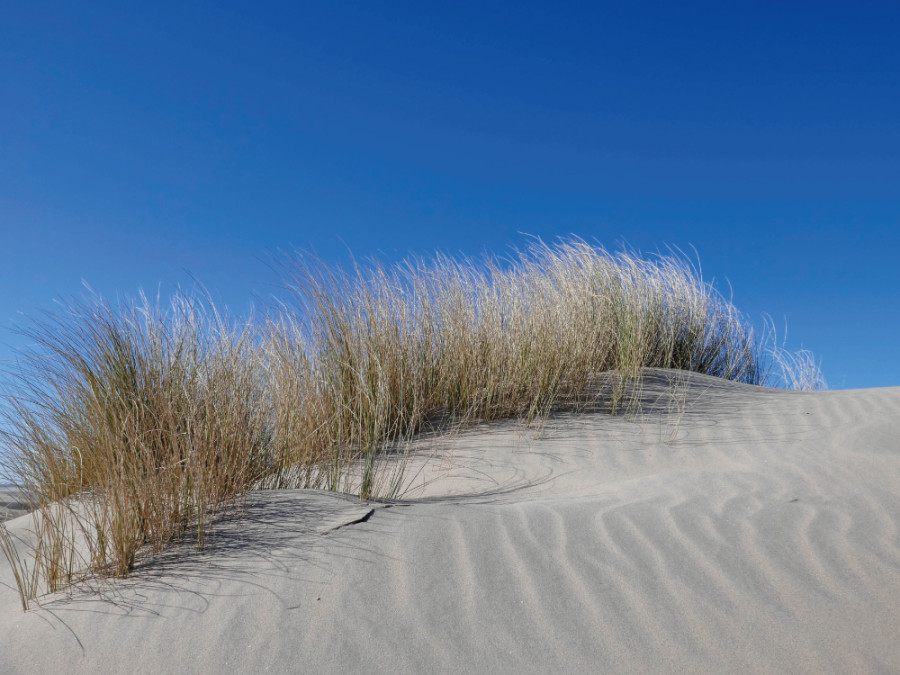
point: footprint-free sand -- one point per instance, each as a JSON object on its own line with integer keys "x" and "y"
{"x": 727, "y": 528}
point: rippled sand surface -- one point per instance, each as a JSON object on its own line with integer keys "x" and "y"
{"x": 725, "y": 528}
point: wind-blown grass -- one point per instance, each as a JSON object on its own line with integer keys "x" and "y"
{"x": 134, "y": 424}
{"x": 131, "y": 424}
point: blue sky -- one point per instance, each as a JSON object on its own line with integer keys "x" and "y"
{"x": 142, "y": 143}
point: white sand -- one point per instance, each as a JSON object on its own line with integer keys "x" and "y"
{"x": 759, "y": 531}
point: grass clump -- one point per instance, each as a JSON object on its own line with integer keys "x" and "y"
{"x": 132, "y": 424}
{"x": 379, "y": 354}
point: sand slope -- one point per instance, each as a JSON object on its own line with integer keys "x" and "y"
{"x": 734, "y": 529}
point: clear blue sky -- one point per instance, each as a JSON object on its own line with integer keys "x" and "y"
{"x": 140, "y": 142}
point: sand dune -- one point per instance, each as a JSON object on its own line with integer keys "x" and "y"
{"x": 731, "y": 528}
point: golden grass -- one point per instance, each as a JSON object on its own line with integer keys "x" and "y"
{"x": 135, "y": 424}
{"x": 131, "y": 424}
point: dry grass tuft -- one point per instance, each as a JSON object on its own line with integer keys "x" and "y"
{"x": 132, "y": 424}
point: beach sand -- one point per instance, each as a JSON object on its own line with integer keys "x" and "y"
{"x": 730, "y": 529}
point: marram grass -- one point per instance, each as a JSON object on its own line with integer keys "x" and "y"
{"x": 130, "y": 424}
